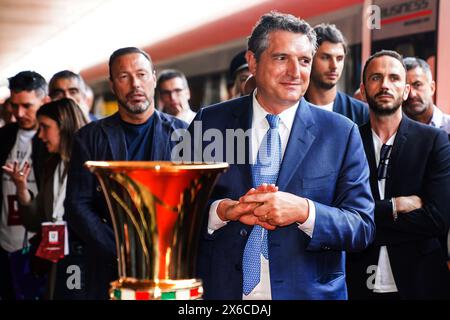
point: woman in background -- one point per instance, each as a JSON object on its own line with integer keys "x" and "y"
{"x": 58, "y": 122}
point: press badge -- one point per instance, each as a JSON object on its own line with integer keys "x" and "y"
{"x": 14, "y": 218}
{"x": 54, "y": 242}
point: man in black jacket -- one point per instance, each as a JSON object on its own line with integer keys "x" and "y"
{"x": 410, "y": 181}
{"x": 420, "y": 106}
{"x": 19, "y": 144}
{"x": 136, "y": 132}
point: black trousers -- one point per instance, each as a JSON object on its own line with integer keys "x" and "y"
{"x": 6, "y": 286}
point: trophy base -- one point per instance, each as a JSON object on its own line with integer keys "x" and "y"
{"x": 133, "y": 289}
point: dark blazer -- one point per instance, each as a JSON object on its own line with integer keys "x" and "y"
{"x": 419, "y": 165}
{"x": 444, "y": 240}
{"x": 39, "y": 154}
{"x": 355, "y": 110}
{"x": 329, "y": 169}
{"x": 86, "y": 209}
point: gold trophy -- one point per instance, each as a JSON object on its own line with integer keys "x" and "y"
{"x": 156, "y": 210}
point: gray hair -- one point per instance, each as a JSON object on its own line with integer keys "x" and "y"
{"x": 414, "y": 62}
{"x": 66, "y": 74}
{"x": 274, "y": 21}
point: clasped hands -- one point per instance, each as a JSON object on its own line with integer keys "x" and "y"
{"x": 265, "y": 206}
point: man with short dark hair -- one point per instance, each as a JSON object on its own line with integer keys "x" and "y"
{"x": 136, "y": 132}
{"x": 20, "y": 146}
{"x": 174, "y": 94}
{"x": 295, "y": 197}
{"x": 410, "y": 181}
{"x": 326, "y": 71}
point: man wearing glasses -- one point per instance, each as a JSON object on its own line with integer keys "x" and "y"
{"x": 174, "y": 95}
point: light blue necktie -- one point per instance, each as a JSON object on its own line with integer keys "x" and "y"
{"x": 265, "y": 170}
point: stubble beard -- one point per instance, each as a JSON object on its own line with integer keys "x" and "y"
{"x": 380, "y": 110}
{"x": 321, "y": 84}
{"x": 137, "y": 108}
{"x": 413, "y": 111}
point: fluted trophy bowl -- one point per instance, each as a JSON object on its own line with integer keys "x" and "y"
{"x": 156, "y": 210}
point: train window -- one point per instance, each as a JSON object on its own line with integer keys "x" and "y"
{"x": 418, "y": 45}
{"x": 408, "y": 27}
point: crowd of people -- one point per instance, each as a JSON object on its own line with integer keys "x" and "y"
{"x": 352, "y": 203}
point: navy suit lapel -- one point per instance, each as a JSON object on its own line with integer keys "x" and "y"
{"x": 243, "y": 120}
{"x": 116, "y": 137}
{"x": 300, "y": 140}
{"x": 338, "y": 105}
{"x": 397, "y": 151}
{"x": 367, "y": 139}
{"x": 159, "y": 143}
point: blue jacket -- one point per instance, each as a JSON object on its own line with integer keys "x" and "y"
{"x": 87, "y": 212}
{"x": 329, "y": 169}
{"x": 355, "y": 110}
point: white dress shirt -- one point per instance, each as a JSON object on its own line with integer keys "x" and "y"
{"x": 259, "y": 128}
{"x": 384, "y": 279}
{"x": 186, "y": 115}
{"x": 328, "y": 107}
{"x": 440, "y": 120}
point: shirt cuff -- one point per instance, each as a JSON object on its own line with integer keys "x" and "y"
{"x": 308, "y": 226}
{"x": 214, "y": 222}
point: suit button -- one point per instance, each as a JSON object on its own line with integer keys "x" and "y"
{"x": 99, "y": 189}
{"x": 243, "y": 232}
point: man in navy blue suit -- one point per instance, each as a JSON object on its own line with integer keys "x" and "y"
{"x": 136, "y": 132}
{"x": 327, "y": 68}
{"x": 410, "y": 179}
{"x": 280, "y": 220}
